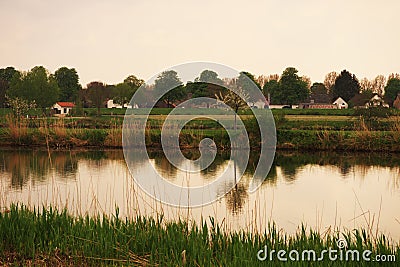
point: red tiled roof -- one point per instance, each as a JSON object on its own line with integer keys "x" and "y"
{"x": 66, "y": 104}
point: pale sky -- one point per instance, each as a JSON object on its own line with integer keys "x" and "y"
{"x": 109, "y": 40}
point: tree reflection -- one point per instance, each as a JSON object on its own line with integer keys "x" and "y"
{"x": 236, "y": 198}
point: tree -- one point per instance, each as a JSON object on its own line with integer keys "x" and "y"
{"x": 378, "y": 84}
{"x": 271, "y": 90}
{"x": 292, "y": 89}
{"x": 133, "y": 82}
{"x": 68, "y": 82}
{"x": 97, "y": 94}
{"x": 168, "y": 80}
{"x": 394, "y": 76}
{"x": 35, "y": 85}
{"x": 209, "y": 76}
{"x": 346, "y": 86}
{"x": 248, "y": 83}
{"x": 235, "y": 101}
{"x": 391, "y": 90}
{"x": 6, "y": 76}
{"x": 208, "y": 84}
{"x": 329, "y": 81}
{"x": 365, "y": 85}
{"x": 122, "y": 93}
{"x": 307, "y": 80}
{"x": 20, "y": 106}
{"x": 203, "y": 89}
{"x": 319, "y": 93}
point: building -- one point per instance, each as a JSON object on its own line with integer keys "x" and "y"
{"x": 63, "y": 108}
{"x": 259, "y": 104}
{"x": 340, "y": 103}
{"x": 366, "y": 100}
{"x": 111, "y": 104}
{"x": 377, "y": 101}
{"x": 313, "y": 105}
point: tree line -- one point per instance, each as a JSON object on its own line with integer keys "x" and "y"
{"x": 43, "y": 88}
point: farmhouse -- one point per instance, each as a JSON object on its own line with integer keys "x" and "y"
{"x": 367, "y": 101}
{"x": 340, "y": 103}
{"x": 317, "y": 105}
{"x": 62, "y": 108}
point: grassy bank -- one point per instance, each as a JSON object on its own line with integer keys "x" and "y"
{"x": 317, "y": 133}
{"x": 50, "y": 237}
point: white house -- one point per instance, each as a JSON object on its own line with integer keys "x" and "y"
{"x": 377, "y": 101}
{"x": 258, "y": 104}
{"x": 63, "y": 108}
{"x": 340, "y": 103}
{"x": 110, "y": 104}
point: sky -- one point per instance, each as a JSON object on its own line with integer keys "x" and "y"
{"x": 109, "y": 40}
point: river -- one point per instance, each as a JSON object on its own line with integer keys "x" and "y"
{"x": 324, "y": 191}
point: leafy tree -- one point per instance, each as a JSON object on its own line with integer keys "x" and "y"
{"x": 319, "y": 93}
{"x": 20, "y": 106}
{"x": 35, "y": 85}
{"x": 209, "y": 76}
{"x": 97, "y": 94}
{"x": 133, "y": 82}
{"x": 122, "y": 93}
{"x": 167, "y": 80}
{"x": 365, "y": 85}
{"x": 307, "y": 80}
{"x": 394, "y": 76}
{"x": 391, "y": 90}
{"x": 271, "y": 89}
{"x": 346, "y": 86}
{"x": 330, "y": 79}
{"x": 378, "y": 84}
{"x": 6, "y": 76}
{"x": 68, "y": 82}
{"x": 208, "y": 84}
{"x": 248, "y": 83}
{"x": 203, "y": 89}
{"x": 292, "y": 89}
{"x": 235, "y": 101}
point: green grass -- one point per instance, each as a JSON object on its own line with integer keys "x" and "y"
{"x": 48, "y": 236}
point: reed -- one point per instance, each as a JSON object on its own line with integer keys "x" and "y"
{"x": 52, "y": 237}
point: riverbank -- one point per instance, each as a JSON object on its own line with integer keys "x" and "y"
{"x": 294, "y": 132}
{"x": 318, "y": 140}
{"x": 55, "y": 238}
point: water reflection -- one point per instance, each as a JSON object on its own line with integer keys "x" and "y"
{"x": 38, "y": 165}
{"x": 298, "y": 187}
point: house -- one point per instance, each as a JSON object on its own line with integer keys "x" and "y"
{"x": 340, "y": 103}
{"x": 377, "y": 101}
{"x": 259, "y": 104}
{"x": 366, "y": 100}
{"x": 313, "y": 105}
{"x": 111, "y": 104}
{"x": 63, "y": 108}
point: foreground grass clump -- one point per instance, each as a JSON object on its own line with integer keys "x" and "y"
{"x": 50, "y": 237}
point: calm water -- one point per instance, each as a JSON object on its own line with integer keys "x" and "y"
{"x": 319, "y": 189}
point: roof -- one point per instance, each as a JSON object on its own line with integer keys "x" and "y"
{"x": 339, "y": 99}
{"x": 66, "y": 104}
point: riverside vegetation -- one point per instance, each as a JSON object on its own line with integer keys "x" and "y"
{"x": 50, "y": 237}
{"x": 343, "y": 130}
